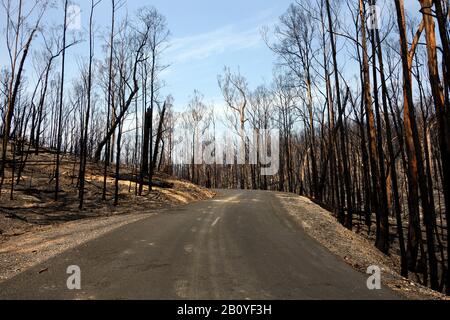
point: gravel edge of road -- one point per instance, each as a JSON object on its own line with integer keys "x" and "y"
{"x": 33, "y": 248}
{"x": 352, "y": 248}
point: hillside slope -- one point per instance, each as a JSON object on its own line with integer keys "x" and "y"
{"x": 33, "y": 206}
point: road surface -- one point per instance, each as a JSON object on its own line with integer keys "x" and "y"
{"x": 240, "y": 245}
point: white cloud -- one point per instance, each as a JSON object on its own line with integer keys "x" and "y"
{"x": 230, "y": 38}
{"x": 202, "y": 46}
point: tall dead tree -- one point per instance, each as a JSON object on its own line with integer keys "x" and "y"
{"x": 158, "y": 37}
{"x": 378, "y": 198}
{"x": 18, "y": 46}
{"x": 159, "y": 133}
{"x": 444, "y": 117}
{"x": 376, "y": 43}
{"x": 347, "y": 220}
{"x": 110, "y": 95}
{"x": 140, "y": 37}
{"x": 61, "y": 101}
{"x": 437, "y": 90}
{"x": 84, "y": 141}
{"x": 416, "y": 177}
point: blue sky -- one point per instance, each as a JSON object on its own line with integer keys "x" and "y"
{"x": 206, "y": 35}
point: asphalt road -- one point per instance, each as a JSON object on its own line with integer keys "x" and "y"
{"x": 240, "y": 245}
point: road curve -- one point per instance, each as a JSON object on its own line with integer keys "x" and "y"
{"x": 240, "y": 245}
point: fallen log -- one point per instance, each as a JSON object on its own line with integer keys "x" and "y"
{"x": 132, "y": 178}
{"x": 12, "y": 215}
